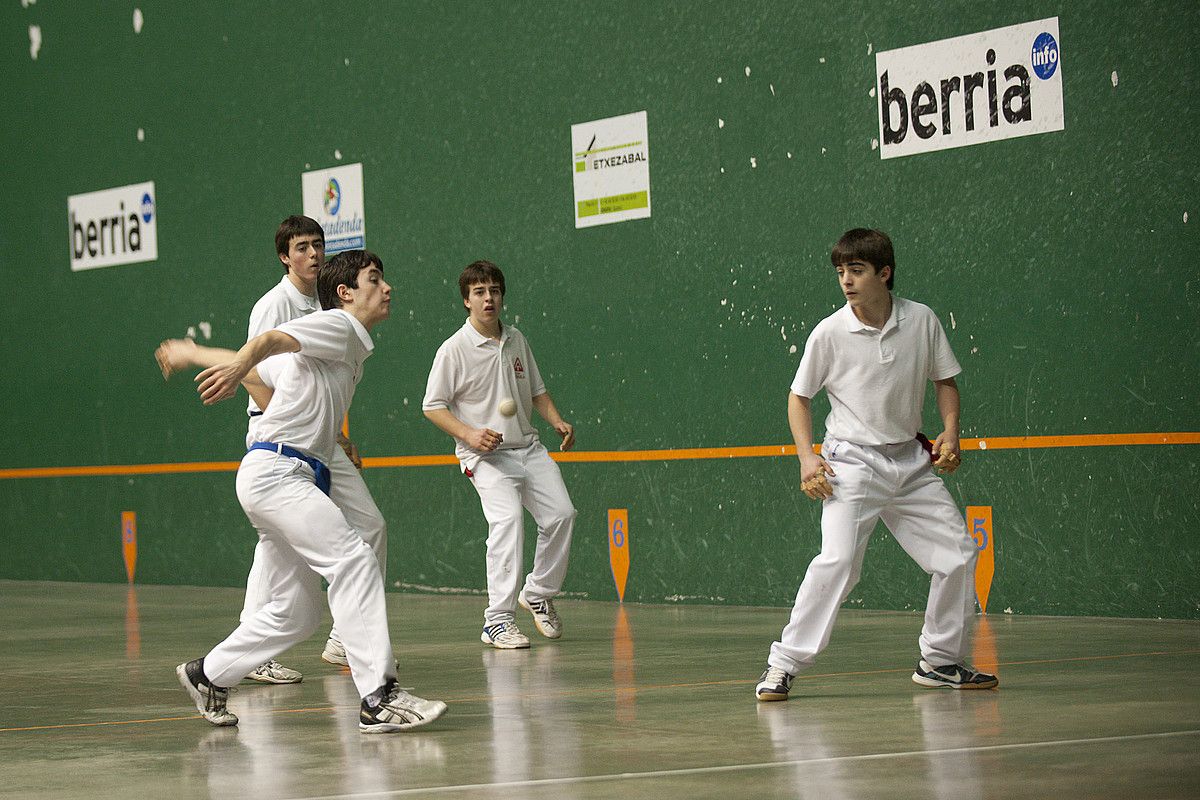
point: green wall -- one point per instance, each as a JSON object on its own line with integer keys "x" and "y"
{"x": 1065, "y": 258}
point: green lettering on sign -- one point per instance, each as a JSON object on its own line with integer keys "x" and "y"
{"x": 589, "y": 208}
{"x": 624, "y": 202}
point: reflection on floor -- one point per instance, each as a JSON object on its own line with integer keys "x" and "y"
{"x": 634, "y": 701}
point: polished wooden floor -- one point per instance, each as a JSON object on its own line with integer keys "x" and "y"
{"x": 634, "y": 701}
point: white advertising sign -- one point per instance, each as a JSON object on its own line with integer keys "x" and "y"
{"x": 611, "y": 164}
{"x": 983, "y": 87}
{"x": 113, "y": 226}
{"x": 334, "y": 198}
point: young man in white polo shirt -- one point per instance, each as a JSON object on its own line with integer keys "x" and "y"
{"x": 873, "y": 357}
{"x": 300, "y": 245}
{"x": 482, "y": 389}
{"x": 283, "y": 484}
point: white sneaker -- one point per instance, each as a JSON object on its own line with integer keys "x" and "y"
{"x": 775, "y": 684}
{"x": 335, "y": 653}
{"x": 545, "y": 618}
{"x": 209, "y": 699}
{"x": 274, "y": 672}
{"x": 398, "y": 711}
{"x": 504, "y": 636}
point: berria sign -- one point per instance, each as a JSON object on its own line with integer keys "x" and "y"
{"x": 113, "y": 226}
{"x": 984, "y": 87}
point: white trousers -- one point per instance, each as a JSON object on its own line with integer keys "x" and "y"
{"x": 896, "y": 484}
{"x": 508, "y": 481}
{"x": 304, "y": 537}
{"x": 350, "y": 494}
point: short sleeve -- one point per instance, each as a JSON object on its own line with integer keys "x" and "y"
{"x": 814, "y": 368}
{"x": 322, "y": 335}
{"x": 439, "y": 388}
{"x": 943, "y": 364}
{"x": 536, "y": 386}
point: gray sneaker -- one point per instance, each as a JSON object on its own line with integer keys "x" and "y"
{"x": 397, "y": 710}
{"x": 274, "y": 672}
{"x": 335, "y": 653}
{"x": 504, "y": 636}
{"x": 209, "y": 699}
{"x": 545, "y": 618}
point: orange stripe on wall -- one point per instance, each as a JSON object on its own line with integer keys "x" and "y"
{"x": 598, "y": 456}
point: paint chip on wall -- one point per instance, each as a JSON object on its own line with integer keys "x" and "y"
{"x": 137, "y": 20}
{"x": 35, "y": 41}
{"x": 1114, "y": 78}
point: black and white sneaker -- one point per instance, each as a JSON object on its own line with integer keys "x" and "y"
{"x": 397, "y": 710}
{"x": 952, "y": 676}
{"x": 774, "y": 684}
{"x": 209, "y": 699}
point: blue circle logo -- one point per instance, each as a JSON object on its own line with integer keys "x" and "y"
{"x": 147, "y": 207}
{"x": 333, "y": 197}
{"x": 1044, "y": 56}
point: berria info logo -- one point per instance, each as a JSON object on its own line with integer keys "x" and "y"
{"x": 984, "y": 87}
{"x": 113, "y": 226}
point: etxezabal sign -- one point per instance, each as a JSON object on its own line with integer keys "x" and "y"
{"x": 984, "y": 87}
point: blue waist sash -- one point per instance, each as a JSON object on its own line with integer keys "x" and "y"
{"x": 320, "y": 471}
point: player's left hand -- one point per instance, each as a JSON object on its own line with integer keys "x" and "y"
{"x": 351, "y": 451}
{"x": 220, "y": 382}
{"x": 567, "y": 431}
{"x": 949, "y": 457}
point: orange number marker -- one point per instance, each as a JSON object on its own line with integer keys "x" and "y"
{"x": 979, "y": 523}
{"x": 618, "y": 547}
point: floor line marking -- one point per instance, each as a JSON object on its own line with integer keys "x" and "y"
{"x": 674, "y": 773}
{"x": 601, "y": 690}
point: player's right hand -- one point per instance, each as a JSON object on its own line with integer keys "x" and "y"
{"x": 484, "y": 439}
{"x": 813, "y": 481}
{"x": 220, "y": 382}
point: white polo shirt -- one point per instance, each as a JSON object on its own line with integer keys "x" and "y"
{"x": 473, "y": 374}
{"x": 875, "y": 378}
{"x": 314, "y": 387}
{"x": 283, "y": 303}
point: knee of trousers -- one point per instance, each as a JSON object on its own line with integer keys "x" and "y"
{"x": 501, "y": 523}
{"x": 374, "y": 532}
{"x": 356, "y": 561}
{"x": 560, "y": 518}
{"x": 837, "y": 570}
{"x": 299, "y": 619}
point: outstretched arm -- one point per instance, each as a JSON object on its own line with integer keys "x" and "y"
{"x": 174, "y": 355}
{"x": 549, "y": 412}
{"x": 220, "y": 381}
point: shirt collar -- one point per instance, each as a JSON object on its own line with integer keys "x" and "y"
{"x": 363, "y": 334}
{"x": 478, "y": 339}
{"x": 854, "y": 324}
{"x": 297, "y": 297}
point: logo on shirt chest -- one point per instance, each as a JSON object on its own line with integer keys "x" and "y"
{"x": 518, "y": 368}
